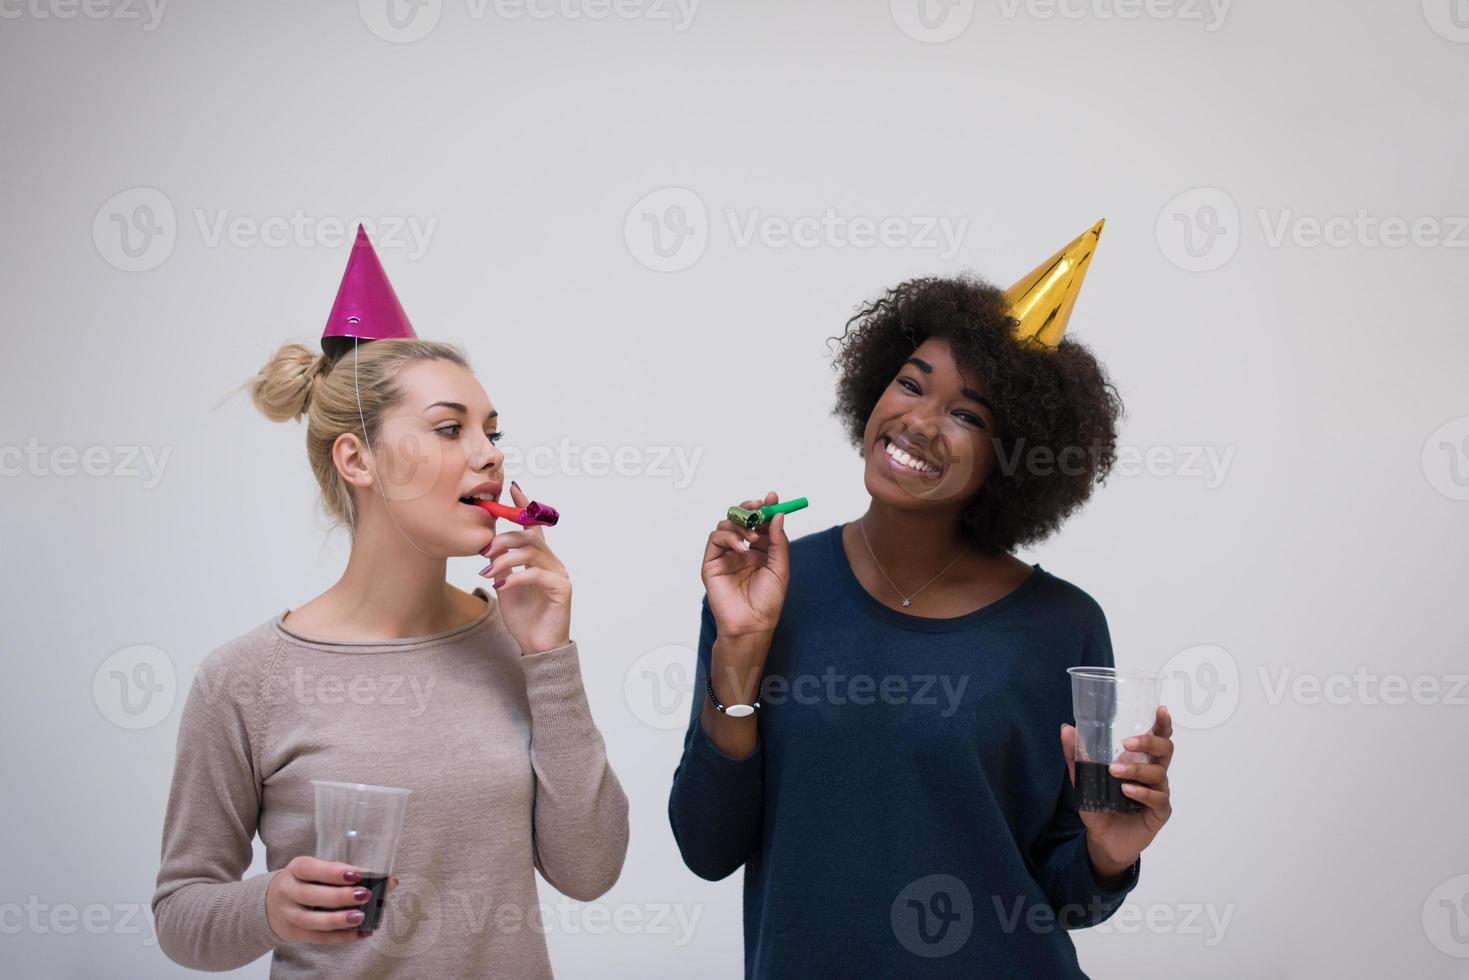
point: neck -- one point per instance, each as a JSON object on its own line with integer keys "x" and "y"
{"x": 912, "y": 542}
{"x": 391, "y": 589}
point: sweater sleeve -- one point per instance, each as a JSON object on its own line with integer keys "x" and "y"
{"x": 717, "y": 800}
{"x": 207, "y": 918}
{"x": 1060, "y": 855}
{"x": 580, "y": 820}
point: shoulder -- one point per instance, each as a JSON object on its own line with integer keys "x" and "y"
{"x": 812, "y": 550}
{"x": 1068, "y": 601}
{"x": 236, "y": 669}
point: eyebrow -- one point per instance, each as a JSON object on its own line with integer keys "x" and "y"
{"x": 969, "y": 393}
{"x": 459, "y": 408}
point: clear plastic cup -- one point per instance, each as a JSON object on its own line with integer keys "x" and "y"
{"x": 360, "y": 825}
{"x": 1111, "y": 704}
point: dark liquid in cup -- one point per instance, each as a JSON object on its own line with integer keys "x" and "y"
{"x": 1098, "y": 789}
{"x": 373, "y": 908}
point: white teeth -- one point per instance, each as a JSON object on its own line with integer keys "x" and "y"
{"x": 482, "y": 496}
{"x": 913, "y": 463}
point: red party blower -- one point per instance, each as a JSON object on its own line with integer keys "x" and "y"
{"x": 532, "y": 515}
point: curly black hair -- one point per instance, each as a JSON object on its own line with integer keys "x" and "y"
{"x": 1045, "y": 400}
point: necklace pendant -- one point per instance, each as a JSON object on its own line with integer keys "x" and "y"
{"x": 907, "y": 602}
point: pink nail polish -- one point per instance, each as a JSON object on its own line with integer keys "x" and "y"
{"x": 484, "y": 552}
{"x": 355, "y": 917}
{"x": 361, "y": 895}
{"x": 485, "y": 572}
{"x": 352, "y": 876}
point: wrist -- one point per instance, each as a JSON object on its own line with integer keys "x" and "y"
{"x": 536, "y": 649}
{"x": 1108, "y": 869}
{"x": 736, "y": 668}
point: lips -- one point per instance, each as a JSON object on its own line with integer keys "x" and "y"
{"x": 485, "y": 491}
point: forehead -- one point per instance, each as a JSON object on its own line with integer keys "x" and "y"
{"x": 426, "y": 382}
{"x": 938, "y": 354}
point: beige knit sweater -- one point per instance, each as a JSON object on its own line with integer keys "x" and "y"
{"x": 508, "y": 772}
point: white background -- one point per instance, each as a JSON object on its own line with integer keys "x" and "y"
{"x": 1329, "y": 834}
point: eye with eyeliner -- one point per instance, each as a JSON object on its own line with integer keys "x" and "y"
{"x": 444, "y": 430}
{"x": 911, "y": 387}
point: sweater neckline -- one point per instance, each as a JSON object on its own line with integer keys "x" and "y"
{"x": 385, "y": 646}
{"x": 929, "y": 624}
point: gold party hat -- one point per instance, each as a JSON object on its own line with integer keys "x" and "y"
{"x": 1041, "y": 302}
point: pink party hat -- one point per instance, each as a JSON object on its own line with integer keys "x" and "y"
{"x": 366, "y": 306}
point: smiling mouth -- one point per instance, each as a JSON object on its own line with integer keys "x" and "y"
{"x": 908, "y": 461}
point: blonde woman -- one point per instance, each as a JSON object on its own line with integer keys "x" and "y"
{"x": 393, "y": 677}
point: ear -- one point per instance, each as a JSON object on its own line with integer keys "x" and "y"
{"x": 351, "y": 460}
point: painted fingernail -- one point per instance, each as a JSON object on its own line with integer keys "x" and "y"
{"x": 514, "y": 484}
{"x": 364, "y": 933}
{"x": 352, "y": 875}
{"x": 485, "y": 551}
{"x": 361, "y": 895}
{"x": 485, "y": 572}
{"x": 355, "y": 917}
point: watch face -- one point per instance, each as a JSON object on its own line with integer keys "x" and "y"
{"x": 739, "y": 710}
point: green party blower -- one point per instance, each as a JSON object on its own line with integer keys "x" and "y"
{"x": 751, "y": 519}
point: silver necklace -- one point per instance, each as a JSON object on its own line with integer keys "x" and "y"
{"x": 907, "y": 599}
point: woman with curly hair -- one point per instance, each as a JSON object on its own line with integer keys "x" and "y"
{"x": 900, "y": 797}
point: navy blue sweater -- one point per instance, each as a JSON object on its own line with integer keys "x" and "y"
{"x": 906, "y": 811}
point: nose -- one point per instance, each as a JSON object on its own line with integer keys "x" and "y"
{"x": 921, "y": 424}
{"x": 486, "y": 455}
